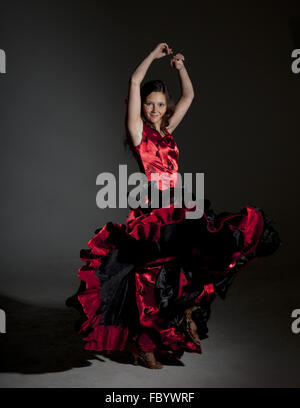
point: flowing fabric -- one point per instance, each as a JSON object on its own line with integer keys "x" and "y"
{"x": 140, "y": 277}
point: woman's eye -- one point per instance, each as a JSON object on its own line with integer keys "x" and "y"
{"x": 150, "y": 103}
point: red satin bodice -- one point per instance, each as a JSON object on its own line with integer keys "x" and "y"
{"x": 157, "y": 154}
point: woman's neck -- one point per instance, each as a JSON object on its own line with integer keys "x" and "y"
{"x": 158, "y": 129}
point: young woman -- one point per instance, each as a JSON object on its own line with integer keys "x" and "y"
{"x": 148, "y": 284}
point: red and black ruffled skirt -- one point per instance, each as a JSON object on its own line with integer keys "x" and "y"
{"x": 141, "y": 276}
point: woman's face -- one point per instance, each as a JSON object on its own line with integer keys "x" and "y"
{"x": 155, "y": 106}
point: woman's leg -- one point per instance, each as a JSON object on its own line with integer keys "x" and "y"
{"x": 142, "y": 349}
{"x": 144, "y": 342}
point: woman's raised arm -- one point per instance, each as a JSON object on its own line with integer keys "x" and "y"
{"x": 187, "y": 92}
{"x": 134, "y": 120}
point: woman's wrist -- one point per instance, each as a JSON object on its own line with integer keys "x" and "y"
{"x": 182, "y": 69}
{"x": 152, "y": 55}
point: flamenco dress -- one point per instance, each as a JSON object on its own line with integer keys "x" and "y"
{"x": 140, "y": 277}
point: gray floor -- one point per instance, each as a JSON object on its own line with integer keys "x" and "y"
{"x": 250, "y": 340}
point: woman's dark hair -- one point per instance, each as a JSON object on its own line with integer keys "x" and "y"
{"x": 147, "y": 88}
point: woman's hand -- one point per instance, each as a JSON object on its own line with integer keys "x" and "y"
{"x": 161, "y": 50}
{"x": 177, "y": 61}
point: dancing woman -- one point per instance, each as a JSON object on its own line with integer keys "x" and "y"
{"x": 147, "y": 285}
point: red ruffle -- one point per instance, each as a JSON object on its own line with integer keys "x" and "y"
{"x": 143, "y": 226}
{"x": 147, "y": 226}
{"x": 107, "y": 338}
{"x": 90, "y": 299}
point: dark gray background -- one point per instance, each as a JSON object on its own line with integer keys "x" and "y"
{"x": 62, "y": 123}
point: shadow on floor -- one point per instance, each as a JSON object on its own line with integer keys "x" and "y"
{"x": 41, "y": 339}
